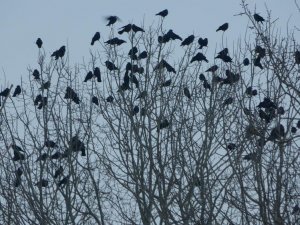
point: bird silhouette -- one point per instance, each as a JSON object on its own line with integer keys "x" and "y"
{"x": 246, "y": 62}
{"x": 231, "y": 78}
{"x": 56, "y": 155}
{"x": 258, "y": 18}
{"x": 76, "y": 145}
{"x": 95, "y": 38}
{"x": 133, "y": 51}
{"x": 296, "y": 209}
{"x": 164, "y": 64}
{"x": 223, "y": 27}
{"x": 110, "y": 99}
{"x": 42, "y": 157}
{"x": 50, "y": 144}
{"x": 267, "y": 103}
{"x": 89, "y": 76}
{"x": 63, "y": 181}
{"x": 111, "y": 20}
{"x": 5, "y": 92}
{"x": 38, "y": 99}
{"x": 164, "y": 124}
{"x": 231, "y": 146}
{"x": 166, "y": 83}
{"x": 97, "y": 74}
{"x": 258, "y": 63}
{"x": 59, "y": 53}
{"x": 115, "y": 41}
{"x": 202, "y": 42}
{"x": 260, "y": 51}
{"x": 206, "y": 85}
{"x": 202, "y": 77}
{"x": 39, "y": 42}
{"x": 171, "y": 35}
{"x": 71, "y": 94}
{"x": 280, "y": 110}
{"x": 127, "y": 28}
{"x": 143, "y": 55}
{"x": 17, "y": 91}
{"x": 45, "y": 85}
{"x": 212, "y": 69}
{"x": 163, "y": 13}
{"x": 293, "y": 130}
{"x": 58, "y": 172}
{"x": 36, "y": 74}
{"x": 189, "y": 40}
{"x": 228, "y": 101}
{"x": 19, "y": 172}
{"x": 110, "y": 66}
{"x": 42, "y": 183}
{"x": 135, "y": 110}
{"x": 297, "y": 57}
{"x": 187, "y": 93}
{"x": 135, "y": 28}
{"x": 276, "y": 133}
{"x": 95, "y": 100}
{"x": 251, "y": 92}
{"x": 199, "y": 57}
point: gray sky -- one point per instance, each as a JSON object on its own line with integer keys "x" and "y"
{"x": 73, "y": 23}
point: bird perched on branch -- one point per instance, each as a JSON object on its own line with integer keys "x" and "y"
{"x": 203, "y": 42}
{"x": 59, "y": 53}
{"x": 212, "y": 69}
{"x": 110, "y": 66}
{"x": 95, "y": 38}
{"x": 17, "y": 91}
{"x": 223, "y": 27}
{"x": 39, "y": 42}
{"x": 127, "y": 28}
{"x": 189, "y": 40}
{"x": 111, "y": 20}
{"x": 199, "y": 57}
{"x": 5, "y": 92}
{"x": 187, "y": 93}
{"x": 115, "y": 41}
{"x": 258, "y": 18}
{"x": 163, "y": 13}
{"x": 36, "y": 74}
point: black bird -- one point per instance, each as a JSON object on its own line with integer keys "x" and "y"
{"x": 17, "y": 91}
{"x": 280, "y": 110}
{"x": 96, "y": 37}
{"x": 225, "y": 58}
{"x": 89, "y": 76}
{"x": 217, "y": 79}
{"x": 63, "y": 181}
{"x": 267, "y": 103}
{"x": 260, "y": 51}
{"x": 135, "y": 110}
{"x": 126, "y": 79}
{"x": 143, "y": 94}
{"x": 111, "y": 20}
{"x": 42, "y": 183}
{"x": 135, "y": 28}
{"x": 164, "y": 124}
{"x": 263, "y": 115}
{"x": 5, "y": 92}
{"x": 71, "y": 94}
{"x": 18, "y": 156}
{"x": 189, "y": 40}
{"x": 228, "y": 101}
{"x": 115, "y": 41}
{"x": 56, "y": 155}
{"x": 95, "y": 100}
{"x": 199, "y": 57}
{"x": 58, "y": 172}
{"x": 258, "y": 63}
{"x": 59, "y": 53}
{"x": 297, "y": 57}
{"x": 77, "y": 145}
{"x": 17, "y": 148}
{"x": 298, "y": 124}
{"x": 212, "y": 69}
{"x": 258, "y": 18}
{"x": 43, "y": 102}
{"x": 223, "y": 52}
{"x": 296, "y": 209}
{"x": 133, "y": 51}
{"x": 202, "y": 77}
{"x": 231, "y": 77}
{"x": 97, "y": 74}
{"x": 206, "y": 85}
{"x": 293, "y": 130}
{"x": 45, "y": 85}
{"x": 223, "y": 27}
{"x": 127, "y": 28}
{"x": 110, "y": 66}
{"x": 42, "y": 157}
{"x": 143, "y": 55}
{"x": 171, "y": 35}
{"x": 36, "y": 74}
{"x": 19, "y": 172}
{"x": 38, "y": 99}
{"x": 110, "y": 99}
{"x": 50, "y": 144}
{"x": 163, "y": 39}
{"x": 250, "y": 91}
{"x": 276, "y": 133}
{"x": 187, "y": 92}
{"x": 231, "y": 146}
{"x": 164, "y": 64}
{"x": 203, "y": 42}
{"x": 246, "y": 62}
{"x": 166, "y": 83}
{"x": 163, "y": 13}
{"x": 18, "y": 182}
{"x": 39, "y": 42}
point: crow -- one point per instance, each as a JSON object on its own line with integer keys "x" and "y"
{"x": 187, "y": 92}
{"x": 39, "y": 42}
{"x": 202, "y": 77}
{"x": 95, "y": 100}
{"x": 17, "y": 91}
{"x": 135, "y": 110}
{"x": 38, "y": 99}
{"x": 228, "y": 101}
{"x": 88, "y": 76}
{"x": 189, "y": 40}
{"x": 267, "y": 103}
{"x": 19, "y": 172}
{"x": 110, "y": 99}
{"x": 212, "y": 69}
{"x": 206, "y": 85}
{"x": 225, "y": 58}
{"x": 223, "y": 27}
{"x": 143, "y": 55}
{"x": 45, "y": 85}
{"x": 58, "y": 172}
{"x": 63, "y": 181}
{"x": 276, "y": 133}
{"x": 110, "y": 66}
{"x": 166, "y": 83}
{"x": 133, "y": 51}
{"x": 50, "y": 144}
{"x": 71, "y": 94}
{"x": 5, "y": 92}
{"x": 134, "y": 80}
{"x": 280, "y": 110}
{"x": 293, "y": 130}
{"x": 163, "y": 13}
{"x": 246, "y": 62}
{"x": 202, "y": 42}
{"x": 250, "y": 156}
{"x": 97, "y": 74}
{"x": 127, "y": 28}
{"x": 258, "y": 63}
{"x": 95, "y": 38}
{"x": 111, "y": 20}
{"x": 115, "y": 41}
{"x": 260, "y": 51}
{"x": 164, "y": 64}
{"x": 36, "y": 74}
{"x": 59, "y": 53}
{"x": 231, "y": 146}
{"x": 43, "y": 102}
{"x": 258, "y": 18}
{"x": 135, "y": 28}
{"x": 164, "y": 124}
{"x": 171, "y": 35}
{"x": 56, "y": 155}
{"x": 199, "y": 57}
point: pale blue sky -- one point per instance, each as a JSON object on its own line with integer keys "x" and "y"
{"x": 74, "y": 22}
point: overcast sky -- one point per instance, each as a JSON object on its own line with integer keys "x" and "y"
{"x": 74, "y": 22}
